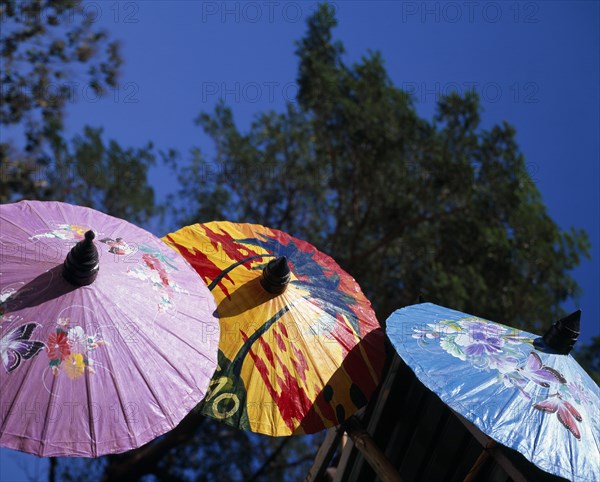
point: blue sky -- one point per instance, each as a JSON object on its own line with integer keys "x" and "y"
{"x": 534, "y": 64}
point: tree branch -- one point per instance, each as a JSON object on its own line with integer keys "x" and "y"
{"x": 145, "y": 459}
{"x": 270, "y": 459}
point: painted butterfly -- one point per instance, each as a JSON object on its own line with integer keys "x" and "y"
{"x": 539, "y": 373}
{"x": 567, "y": 414}
{"x": 16, "y": 346}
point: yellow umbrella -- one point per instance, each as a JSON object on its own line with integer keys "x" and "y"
{"x": 300, "y": 347}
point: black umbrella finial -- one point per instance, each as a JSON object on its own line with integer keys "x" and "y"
{"x": 276, "y": 276}
{"x": 81, "y": 264}
{"x": 562, "y": 335}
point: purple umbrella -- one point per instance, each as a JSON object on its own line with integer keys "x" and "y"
{"x": 105, "y": 343}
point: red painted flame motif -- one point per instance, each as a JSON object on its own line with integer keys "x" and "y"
{"x": 291, "y": 398}
{"x": 308, "y": 395}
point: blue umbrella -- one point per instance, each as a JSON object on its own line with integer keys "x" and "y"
{"x": 519, "y": 389}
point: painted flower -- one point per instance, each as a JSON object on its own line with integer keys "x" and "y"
{"x": 89, "y": 365}
{"x": 74, "y": 365}
{"x": 435, "y": 330}
{"x": 154, "y": 272}
{"x": 483, "y": 326}
{"x": 153, "y": 263}
{"x": 478, "y": 343}
{"x": 118, "y": 246}
{"x": 63, "y": 322}
{"x": 58, "y": 345}
{"x": 515, "y": 379}
{"x": 579, "y": 392}
{"x": 68, "y": 349}
{"x": 566, "y": 413}
{"x": 424, "y": 335}
{"x": 503, "y": 362}
{"x": 77, "y": 339}
{"x": 77, "y": 230}
{"x": 164, "y": 304}
{"x": 448, "y": 343}
{"x": 64, "y": 231}
{"x": 94, "y": 342}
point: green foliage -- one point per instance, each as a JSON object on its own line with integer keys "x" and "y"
{"x": 88, "y": 172}
{"x": 21, "y": 176}
{"x": 209, "y": 451}
{"x": 105, "y": 176}
{"x": 408, "y": 206}
{"x": 589, "y": 358}
{"x": 50, "y": 53}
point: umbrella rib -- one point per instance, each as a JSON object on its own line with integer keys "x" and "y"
{"x": 116, "y": 383}
{"x": 158, "y": 351}
{"x": 88, "y": 388}
{"x": 327, "y": 353}
{"x": 45, "y": 428}
{"x": 4, "y": 220}
{"x": 133, "y": 359}
{"x": 197, "y": 350}
{"x": 145, "y": 337}
{"x": 61, "y": 209}
{"x": 44, "y": 219}
{"x": 167, "y": 413}
{"x": 19, "y": 391}
{"x": 313, "y": 300}
{"x": 350, "y": 330}
{"x": 254, "y": 374}
{"x": 289, "y": 352}
{"x": 117, "y": 386}
{"x": 93, "y": 442}
{"x": 537, "y": 437}
{"x": 150, "y": 388}
{"x": 327, "y": 360}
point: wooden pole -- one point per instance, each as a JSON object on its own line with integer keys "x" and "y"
{"x": 324, "y": 454}
{"x": 370, "y": 451}
{"x": 483, "y": 456}
{"x": 501, "y": 459}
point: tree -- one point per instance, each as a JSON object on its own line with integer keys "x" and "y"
{"x": 203, "y": 450}
{"x": 88, "y": 172}
{"x": 51, "y": 54}
{"x": 107, "y": 176}
{"x": 50, "y": 51}
{"x": 408, "y": 206}
{"x": 589, "y": 358}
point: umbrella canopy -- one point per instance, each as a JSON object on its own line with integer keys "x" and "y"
{"x": 300, "y": 346}
{"x": 105, "y": 353}
{"x": 508, "y": 383}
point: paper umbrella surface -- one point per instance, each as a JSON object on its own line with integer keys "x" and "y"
{"x": 106, "y": 352}
{"x": 509, "y": 383}
{"x": 300, "y": 346}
